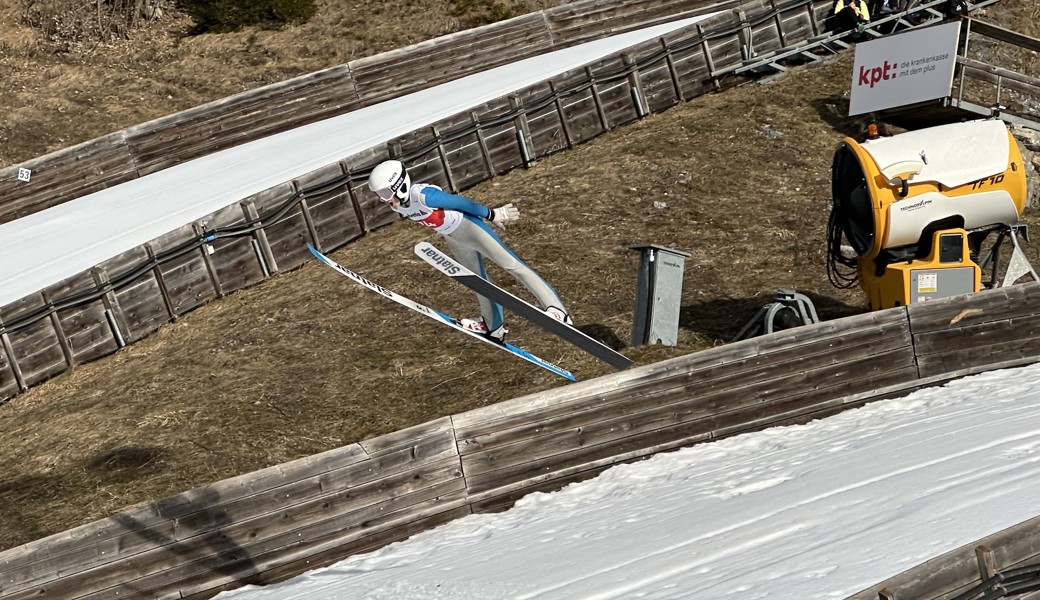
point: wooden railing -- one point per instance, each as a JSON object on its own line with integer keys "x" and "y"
{"x": 272, "y": 524}
{"x": 1013, "y": 93}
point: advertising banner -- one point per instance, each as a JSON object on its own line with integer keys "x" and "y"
{"x": 904, "y": 69}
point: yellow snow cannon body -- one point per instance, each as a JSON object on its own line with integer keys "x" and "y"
{"x": 915, "y": 207}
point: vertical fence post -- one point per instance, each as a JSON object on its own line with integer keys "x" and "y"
{"x": 779, "y": 24}
{"x": 5, "y": 342}
{"x": 355, "y": 202}
{"x": 745, "y": 36}
{"x": 482, "y": 142}
{"x": 63, "y": 342}
{"x": 568, "y": 137}
{"x": 814, "y": 25}
{"x": 443, "y": 156}
{"x": 984, "y": 555}
{"x": 308, "y": 220}
{"x": 597, "y": 100}
{"x": 672, "y": 72}
{"x": 706, "y": 50}
{"x": 164, "y": 292}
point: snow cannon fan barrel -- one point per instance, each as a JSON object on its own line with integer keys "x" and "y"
{"x": 915, "y": 206}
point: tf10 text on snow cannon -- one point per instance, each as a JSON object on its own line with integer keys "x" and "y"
{"x": 911, "y": 212}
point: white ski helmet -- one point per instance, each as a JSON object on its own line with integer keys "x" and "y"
{"x": 389, "y": 179}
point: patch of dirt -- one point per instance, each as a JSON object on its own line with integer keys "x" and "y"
{"x": 309, "y": 361}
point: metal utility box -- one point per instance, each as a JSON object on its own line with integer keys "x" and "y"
{"x": 658, "y": 295}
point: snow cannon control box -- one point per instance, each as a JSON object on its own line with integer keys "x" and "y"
{"x": 915, "y": 207}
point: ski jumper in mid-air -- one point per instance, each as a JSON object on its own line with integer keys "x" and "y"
{"x": 462, "y": 223}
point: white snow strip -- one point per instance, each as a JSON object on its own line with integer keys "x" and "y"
{"x": 49, "y": 246}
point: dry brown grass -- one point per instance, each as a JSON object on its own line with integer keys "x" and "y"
{"x": 56, "y": 95}
{"x": 308, "y": 361}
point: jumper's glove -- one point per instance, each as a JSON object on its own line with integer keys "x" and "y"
{"x": 500, "y": 215}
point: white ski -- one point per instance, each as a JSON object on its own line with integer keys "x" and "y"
{"x": 450, "y": 267}
{"x": 438, "y": 316}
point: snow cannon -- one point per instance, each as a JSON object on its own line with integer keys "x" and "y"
{"x": 910, "y": 211}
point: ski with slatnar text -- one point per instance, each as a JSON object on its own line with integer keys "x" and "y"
{"x": 450, "y": 267}
{"x": 438, "y": 316}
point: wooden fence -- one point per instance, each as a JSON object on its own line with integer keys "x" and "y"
{"x": 272, "y": 524}
{"x": 144, "y": 149}
{"x": 129, "y": 296}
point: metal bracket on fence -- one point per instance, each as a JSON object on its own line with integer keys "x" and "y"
{"x": 108, "y": 297}
{"x": 118, "y": 335}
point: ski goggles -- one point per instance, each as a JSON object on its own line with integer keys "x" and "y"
{"x": 397, "y": 188}
{"x": 385, "y": 194}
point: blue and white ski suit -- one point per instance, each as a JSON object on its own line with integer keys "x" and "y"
{"x": 470, "y": 239}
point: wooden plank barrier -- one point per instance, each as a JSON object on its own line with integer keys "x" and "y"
{"x": 1002, "y": 325}
{"x": 11, "y": 380}
{"x": 958, "y": 571}
{"x": 85, "y": 331}
{"x": 186, "y": 278}
{"x": 269, "y": 525}
{"x": 35, "y": 346}
{"x": 49, "y": 180}
{"x": 583, "y": 21}
{"x": 513, "y": 448}
{"x": 241, "y": 118}
{"x": 142, "y": 303}
{"x": 332, "y": 218}
{"x": 249, "y": 527}
{"x": 272, "y": 524}
{"x": 426, "y": 64}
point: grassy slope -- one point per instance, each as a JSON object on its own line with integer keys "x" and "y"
{"x": 308, "y": 361}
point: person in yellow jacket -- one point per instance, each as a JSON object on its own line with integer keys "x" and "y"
{"x": 851, "y": 14}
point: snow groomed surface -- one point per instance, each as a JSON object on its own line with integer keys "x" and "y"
{"x": 820, "y": 510}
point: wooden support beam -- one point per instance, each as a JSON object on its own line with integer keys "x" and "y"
{"x": 670, "y": 61}
{"x": 985, "y": 557}
{"x": 59, "y": 332}
{"x": 164, "y": 291}
{"x": 5, "y": 343}
{"x": 482, "y": 144}
{"x": 263, "y": 248}
{"x": 443, "y": 156}
{"x": 597, "y": 100}
{"x": 208, "y": 261}
{"x": 1004, "y": 35}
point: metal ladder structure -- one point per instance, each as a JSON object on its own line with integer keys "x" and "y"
{"x": 952, "y": 108}
{"x": 832, "y": 42}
